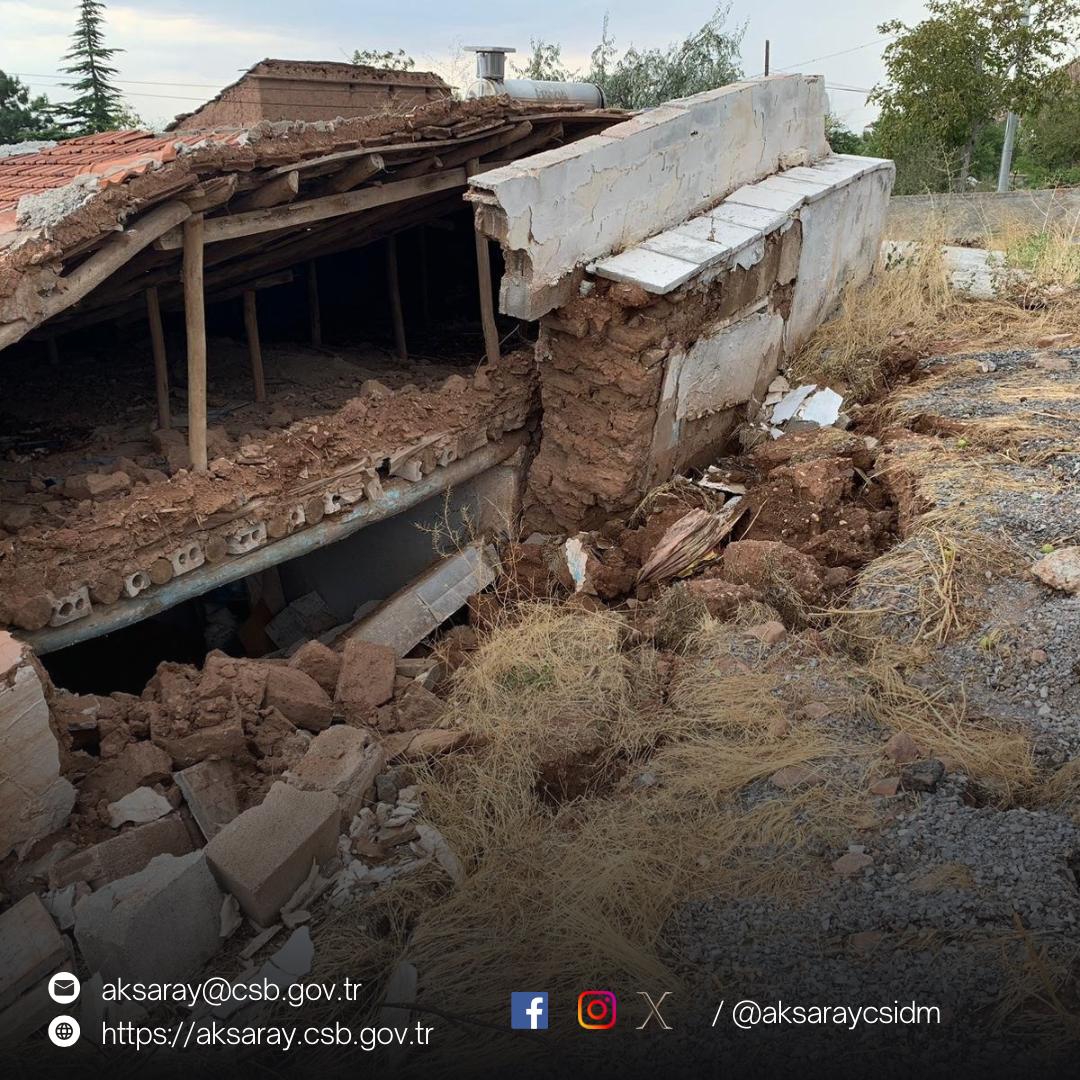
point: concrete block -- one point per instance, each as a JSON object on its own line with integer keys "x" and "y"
{"x": 209, "y": 789}
{"x": 246, "y": 539}
{"x": 768, "y": 196}
{"x": 158, "y": 925}
{"x": 71, "y": 606}
{"x": 344, "y": 761}
{"x": 30, "y": 947}
{"x": 188, "y": 557}
{"x": 263, "y": 855}
{"x": 35, "y": 799}
{"x": 122, "y": 855}
{"x": 136, "y": 583}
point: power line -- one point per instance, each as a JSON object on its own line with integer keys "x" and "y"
{"x": 126, "y": 82}
{"x": 828, "y": 56}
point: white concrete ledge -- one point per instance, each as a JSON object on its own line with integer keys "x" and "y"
{"x": 733, "y": 232}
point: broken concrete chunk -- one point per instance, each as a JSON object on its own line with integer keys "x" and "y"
{"x": 1060, "y": 569}
{"x": 122, "y": 855}
{"x": 306, "y": 617}
{"x": 139, "y": 764}
{"x": 366, "y": 680}
{"x": 139, "y": 806}
{"x": 30, "y": 947}
{"x": 35, "y": 799}
{"x": 96, "y": 486}
{"x": 157, "y": 925}
{"x": 407, "y": 617}
{"x": 265, "y": 853}
{"x": 345, "y": 761}
{"x": 320, "y": 662}
{"x": 298, "y": 697}
{"x": 210, "y": 792}
{"x": 417, "y": 707}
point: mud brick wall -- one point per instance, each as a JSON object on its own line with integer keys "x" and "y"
{"x": 612, "y": 365}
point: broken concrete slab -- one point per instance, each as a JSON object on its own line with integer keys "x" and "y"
{"x": 123, "y": 855}
{"x": 158, "y": 925}
{"x": 345, "y": 761}
{"x": 265, "y": 853}
{"x": 407, "y": 617}
{"x": 35, "y": 799}
{"x": 30, "y": 947}
{"x": 30, "y": 1012}
{"x": 139, "y": 807}
{"x": 209, "y": 789}
{"x": 306, "y": 617}
{"x": 366, "y": 680}
{"x": 139, "y": 764}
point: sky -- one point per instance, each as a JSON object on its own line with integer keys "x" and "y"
{"x": 178, "y": 53}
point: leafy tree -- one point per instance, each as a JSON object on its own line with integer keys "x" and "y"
{"x": 97, "y": 105}
{"x": 642, "y": 78}
{"x": 23, "y": 117}
{"x": 841, "y": 138}
{"x": 1049, "y": 151}
{"x": 545, "y": 62}
{"x": 393, "y": 61}
{"x": 955, "y": 74}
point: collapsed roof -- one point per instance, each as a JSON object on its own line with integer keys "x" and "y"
{"x": 87, "y": 225}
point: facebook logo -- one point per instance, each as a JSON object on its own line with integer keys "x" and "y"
{"x": 529, "y": 1010}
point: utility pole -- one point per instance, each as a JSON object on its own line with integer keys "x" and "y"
{"x": 1012, "y": 121}
{"x": 766, "y": 56}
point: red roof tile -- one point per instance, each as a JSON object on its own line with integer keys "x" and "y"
{"x": 112, "y": 155}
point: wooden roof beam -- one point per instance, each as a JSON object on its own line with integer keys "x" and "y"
{"x": 273, "y": 219}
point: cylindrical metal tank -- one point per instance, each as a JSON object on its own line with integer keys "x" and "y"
{"x": 491, "y": 81}
{"x": 567, "y": 93}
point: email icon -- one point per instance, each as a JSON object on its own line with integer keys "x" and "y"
{"x": 64, "y": 987}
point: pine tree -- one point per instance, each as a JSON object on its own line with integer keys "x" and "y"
{"x": 97, "y": 105}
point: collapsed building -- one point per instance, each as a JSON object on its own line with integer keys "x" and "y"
{"x": 250, "y": 373}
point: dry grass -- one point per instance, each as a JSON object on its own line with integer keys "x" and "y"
{"x": 594, "y": 879}
{"x": 909, "y": 309}
{"x": 1000, "y": 761}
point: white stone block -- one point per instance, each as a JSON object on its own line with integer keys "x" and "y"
{"x": 841, "y": 236}
{"x": 35, "y": 799}
{"x": 722, "y": 369}
{"x": 654, "y": 272}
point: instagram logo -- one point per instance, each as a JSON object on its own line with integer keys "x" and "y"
{"x": 596, "y": 1009}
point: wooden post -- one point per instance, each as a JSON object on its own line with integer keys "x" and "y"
{"x": 251, "y": 326}
{"x": 394, "y": 289}
{"x": 483, "y": 281}
{"x": 425, "y": 299}
{"x": 195, "y": 322}
{"x": 161, "y": 360}
{"x": 314, "y": 315}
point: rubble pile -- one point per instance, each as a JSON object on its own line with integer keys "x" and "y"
{"x": 71, "y": 545}
{"x": 237, "y": 794}
{"x": 801, "y": 511}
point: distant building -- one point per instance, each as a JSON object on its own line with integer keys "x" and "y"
{"x": 312, "y": 90}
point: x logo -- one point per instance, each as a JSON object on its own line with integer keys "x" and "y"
{"x": 654, "y": 1010}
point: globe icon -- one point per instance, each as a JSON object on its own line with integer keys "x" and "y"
{"x": 64, "y": 1031}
